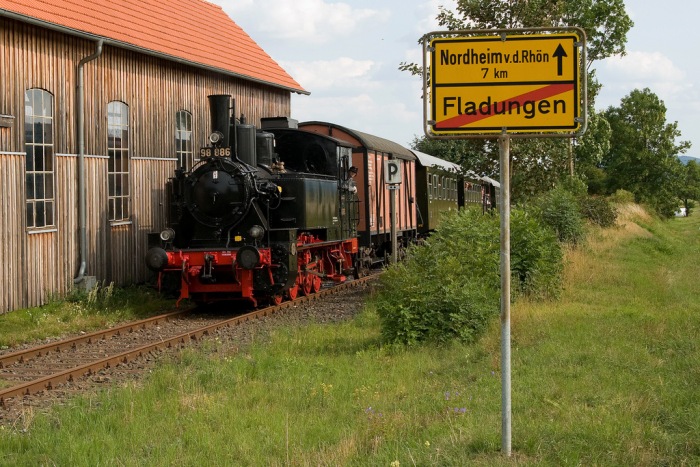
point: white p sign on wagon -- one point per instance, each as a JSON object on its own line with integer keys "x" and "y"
{"x": 392, "y": 171}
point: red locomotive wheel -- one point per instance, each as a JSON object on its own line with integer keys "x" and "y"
{"x": 315, "y": 284}
{"x": 306, "y": 284}
{"x": 276, "y": 299}
{"x": 293, "y": 292}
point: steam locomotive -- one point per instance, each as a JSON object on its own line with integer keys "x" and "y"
{"x": 256, "y": 220}
{"x": 269, "y": 213}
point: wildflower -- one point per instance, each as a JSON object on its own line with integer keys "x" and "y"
{"x": 395, "y": 464}
{"x": 427, "y": 444}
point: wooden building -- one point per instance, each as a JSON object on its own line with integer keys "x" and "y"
{"x": 99, "y": 103}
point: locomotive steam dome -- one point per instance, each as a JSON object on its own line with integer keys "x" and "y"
{"x": 218, "y": 193}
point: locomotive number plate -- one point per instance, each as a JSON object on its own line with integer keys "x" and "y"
{"x": 214, "y": 152}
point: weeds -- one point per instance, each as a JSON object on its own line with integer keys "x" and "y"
{"x": 80, "y": 310}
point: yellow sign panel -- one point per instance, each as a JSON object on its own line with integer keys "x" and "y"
{"x": 525, "y": 83}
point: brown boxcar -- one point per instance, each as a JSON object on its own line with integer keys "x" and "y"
{"x": 369, "y": 154}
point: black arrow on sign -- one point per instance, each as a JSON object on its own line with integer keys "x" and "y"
{"x": 560, "y": 53}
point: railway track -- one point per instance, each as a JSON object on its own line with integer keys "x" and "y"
{"x": 47, "y": 367}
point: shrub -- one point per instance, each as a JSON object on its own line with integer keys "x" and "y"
{"x": 536, "y": 259}
{"x": 446, "y": 288}
{"x": 449, "y": 287}
{"x": 598, "y": 210}
{"x": 622, "y": 197}
{"x": 559, "y": 209}
{"x": 575, "y": 186}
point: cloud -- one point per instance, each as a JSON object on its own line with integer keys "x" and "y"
{"x": 428, "y": 12}
{"x": 645, "y": 69}
{"x": 653, "y": 70}
{"x": 340, "y": 73}
{"x": 316, "y": 21}
{"x": 385, "y": 117}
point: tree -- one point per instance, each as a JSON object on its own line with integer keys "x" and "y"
{"x": 643, "y": 156}
{"x": 605, "y": 21}
{"x": 591, "y": 149}
{"x": 538, "y": 164}
{"x": 689, "y": 191}
{"x": 478, "y": 156}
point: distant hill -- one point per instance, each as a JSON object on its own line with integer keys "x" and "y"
{"x": 685, "y": 159}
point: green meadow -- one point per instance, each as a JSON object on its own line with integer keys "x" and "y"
{"x": 606, "y": 375}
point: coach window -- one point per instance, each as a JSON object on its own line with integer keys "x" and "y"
{"x": 118, "y": 167}
{"x": 39, "y": 173}
{"x": 183, "y": 140}
{"x": 430, "y": 186}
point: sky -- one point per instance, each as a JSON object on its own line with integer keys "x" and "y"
{"x": 347, "y": 53}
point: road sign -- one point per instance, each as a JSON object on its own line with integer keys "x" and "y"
{"x": 392, "y": 171}
{"x": 525, "y": 83}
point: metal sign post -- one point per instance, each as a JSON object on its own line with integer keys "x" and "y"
{"x": 504, "y": 152}
{"x": 505, "y": 83}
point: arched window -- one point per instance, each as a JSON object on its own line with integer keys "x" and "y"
{"x": 183, "y": 140}
{"x": 38, "y": 141}
{"x": 118, "y": 167}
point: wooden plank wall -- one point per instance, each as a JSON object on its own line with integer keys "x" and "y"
{"x": 36, "y": 266}
{"x": 12, "y": 269}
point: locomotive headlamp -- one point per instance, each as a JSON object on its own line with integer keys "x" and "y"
{"x": 167, "y": 235}
{"x": 248, "y": 257}
{"x": 256, "y": 232}
{"x": 216, "y": 137}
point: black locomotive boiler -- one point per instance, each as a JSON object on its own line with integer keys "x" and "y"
{"x": 266, "y": 213}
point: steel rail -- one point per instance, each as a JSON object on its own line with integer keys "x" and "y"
{"x": 71, "y": 343}
{"x": 70, "y": 375}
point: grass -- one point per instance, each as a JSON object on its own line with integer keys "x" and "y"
{"x": 608, "y": 375}
{"x": 80, "y": 311}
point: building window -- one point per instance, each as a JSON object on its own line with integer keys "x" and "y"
{"x": 183, "y": 140}
{"x": 118, "y": 167}
{"x": 38, "y": 140}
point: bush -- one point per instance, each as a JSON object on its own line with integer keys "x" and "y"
{"x": 598, "y": 210}
{"x": 450, "y": 287}
{"x": 575, "y": 186}
{"x": 622, "y": 197}
{"x": 559, "y": 209}
{"x": 446, "y": 288}
{"x": 536, "y": 259}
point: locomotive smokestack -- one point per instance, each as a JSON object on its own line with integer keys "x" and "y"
{"x": 220, "y": 111}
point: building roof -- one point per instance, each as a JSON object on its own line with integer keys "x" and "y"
{"x": 195, "y": 32}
